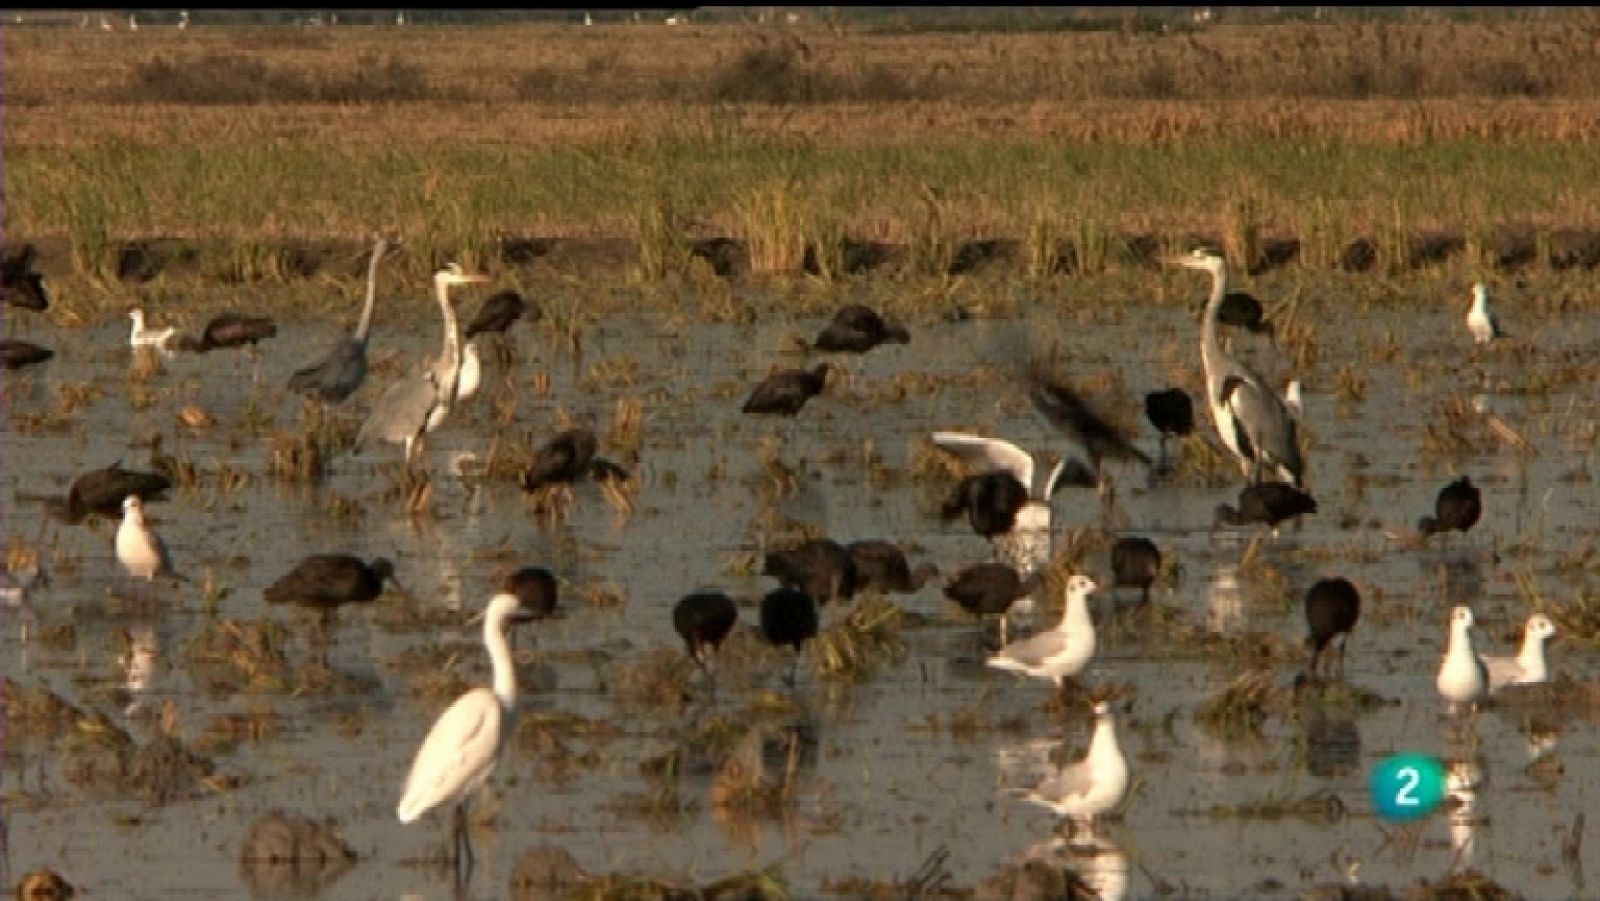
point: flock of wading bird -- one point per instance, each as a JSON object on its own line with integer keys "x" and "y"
{"x": 1003, "y": 497}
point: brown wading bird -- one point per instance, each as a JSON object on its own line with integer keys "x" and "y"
{"x": 789, "y": 617}
{"x": 784, "y": 393}
{"x": 858, "y": 329}
{"x": 703, "y": 619}
{"x": 880, "y": 566}
{"x": 1267, "y": 503}
{"x": 20, "y": 284}
{"x": 326, "y": 582}
{"x": 1136, "y": 562}
{"x": 568, "y": 457}
{"x": 993, "y": 589}
{"x": 1332, "y": 608}
{"x": 1457, "y": 508}
{"x": 101, "y": 492}
{"x": 821, "y": 568}
{"x": 497, "y": 314}
{"x": 229, "y": 330}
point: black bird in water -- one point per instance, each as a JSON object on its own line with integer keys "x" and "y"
{"x": 858, "y": 329}
{"x": 536, "y": 590}
{"x": 821, "y": 568}
{"x": 229, "y": 330}
{"x": 703, "y": 619}
{"x": 991, "y": 589}
{"x": 1332, "y": 608}
{"x": 1242, "y": 310}
{"x": 789, "y": 617}
{"x": 1268, "y": 503}
{"x": 21, "y": 354}
{"x": 327, "y": 582}
{"x": 1136, "y": 562}
{"x": 1457, "y": 508}
{"x": 881, "y": 566}
{"x": 100, "y": 492}
{"x": 784, "y": 393}
{"x": 498, "y": 312}
{"x": 1068, "y": 412}
{"x": 21, "y": 285}
{"x": 1171, "y": 412}
{"x": 568, "y": 457}
{"x": 990, "y": 500}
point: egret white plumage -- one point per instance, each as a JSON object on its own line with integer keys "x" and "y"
{"x": 344, "y": 368}
{"x": 419, "y": 402}
{"x": 1481, "y": 321}
{"x": 1250, "y": 417}
{"x": 1027, "y": 546}
{"x": 462, "y": 748}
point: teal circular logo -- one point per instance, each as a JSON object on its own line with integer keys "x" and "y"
{"x": 1407, "y": 786}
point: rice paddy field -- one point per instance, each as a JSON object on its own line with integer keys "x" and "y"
{"x": 684, "y": 208}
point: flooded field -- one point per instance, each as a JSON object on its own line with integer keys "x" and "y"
{"x": 898, "y": 776}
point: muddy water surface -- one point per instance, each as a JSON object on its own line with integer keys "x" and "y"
{"x": 926, "y": 751}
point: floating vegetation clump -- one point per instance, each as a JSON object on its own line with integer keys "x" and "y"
{"x": 101, "y": 757}
{"x": 288, "y": 854}
{"x": 1240, "y": 710}
{"x": 230, "y": 656}
{"x": 37, "y": 711}
{"x": 857, "y": 645}
{"x": 657, "y": 679}
{"x": 1465, "y": 885}
{"x": 1323, "y": 805}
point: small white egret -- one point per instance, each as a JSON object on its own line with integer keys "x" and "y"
{"x": 1481, "y": 321}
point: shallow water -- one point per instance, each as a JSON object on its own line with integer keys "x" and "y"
{"x": 885, "y": 789}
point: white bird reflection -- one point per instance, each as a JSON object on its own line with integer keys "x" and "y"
{"x": 139, "y": 663}
{"x": 1097, "y": 861}
{"x": 1224, "y": 600}
{"x": 1462, "y": 779}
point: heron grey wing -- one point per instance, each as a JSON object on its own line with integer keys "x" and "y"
{"x": 1264, "y": 418}
{"x": 987, "y": 454}
{"x": 1034, "y": 651}
{"x": 402, "y": 410}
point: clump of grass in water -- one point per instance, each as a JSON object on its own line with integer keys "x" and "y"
{"x": 772, "y": 219}
{"x": 857, "y": 645}
{"x": 1238, "y": 712}
{"x": 663, "y": 246}
{"x": 1321, "y": 805}
{"x": 231, "y": 656}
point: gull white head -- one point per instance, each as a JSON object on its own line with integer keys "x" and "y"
{"x": 1539, "y": 628}
{"x": 132, "y": 506}
{"x": 1480, "y": 295}
{"x": 1081, "y": 586}
{"x": 1461, "y": 620}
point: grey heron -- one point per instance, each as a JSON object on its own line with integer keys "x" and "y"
{"x": 344, "y": 368}
{"x": 419, "y": 402}
{"x": 1250, "y": 417}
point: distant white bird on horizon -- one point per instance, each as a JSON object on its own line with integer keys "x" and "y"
{"x": 1528, "y": 667}
{"x": 1481, "y": 321}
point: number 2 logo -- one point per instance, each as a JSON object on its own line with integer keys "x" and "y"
{"x": 1409, "y": 778}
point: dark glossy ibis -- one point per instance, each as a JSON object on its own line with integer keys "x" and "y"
{"x": 822, "y": 568}
{"x": 326, "y": 582}
{"x": 1457, "y": 508}
{"x": 21, "y": 285}
{"x": 789, "y": 617}
{"x": 992, "y": 589}
{"x": 1242, "y": 310}
{"x": 1172, "y": 413}
{"x": 881, "y": 566}
{"x": 1267, "y": 503}
{"x": 568, "y": 457}
{"x": 703, "y": 619}
{"x": 783, "y": 393}
{"x": 1135, "y": 563}
{"x": 21, "y": 354}
{"x": 536, "y": 589}
{"x": 498, "y": 312}
{"x": 858, "y": 329}
{"x": 1065, "y": 410}
{"x": 229, "y": 330}
{"x": 1332, "y": 608}
{"x": 100, "y": 492}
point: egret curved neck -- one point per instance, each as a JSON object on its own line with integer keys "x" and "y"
{"x": 450, "y": 355}
{"x": 505, "y": 671}
{"x": 365, "y": 325}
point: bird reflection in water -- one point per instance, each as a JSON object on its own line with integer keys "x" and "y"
{"x": 1224, "y": 600}
{"x": 1091, "y": 859}
{"x": 139, "y": 664}
{"x": 1462, "y": 780}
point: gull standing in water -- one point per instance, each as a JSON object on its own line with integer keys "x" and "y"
{"x": 1528, "y": 667}
{"x": 1481, "y": 321}
{"x": 1462, "y": 678}
{"x": 1251, "y": 419}
{"x": 1060, "y": 652}
{"x": 464, "y": 745}
{"x": 140, "y": 550}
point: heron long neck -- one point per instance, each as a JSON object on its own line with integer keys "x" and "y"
{"x": 505, "y": 672}
{"x": 450, "y": 358}
{"x": 1211, "y": 353}
{"x": 365, "y": 324}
